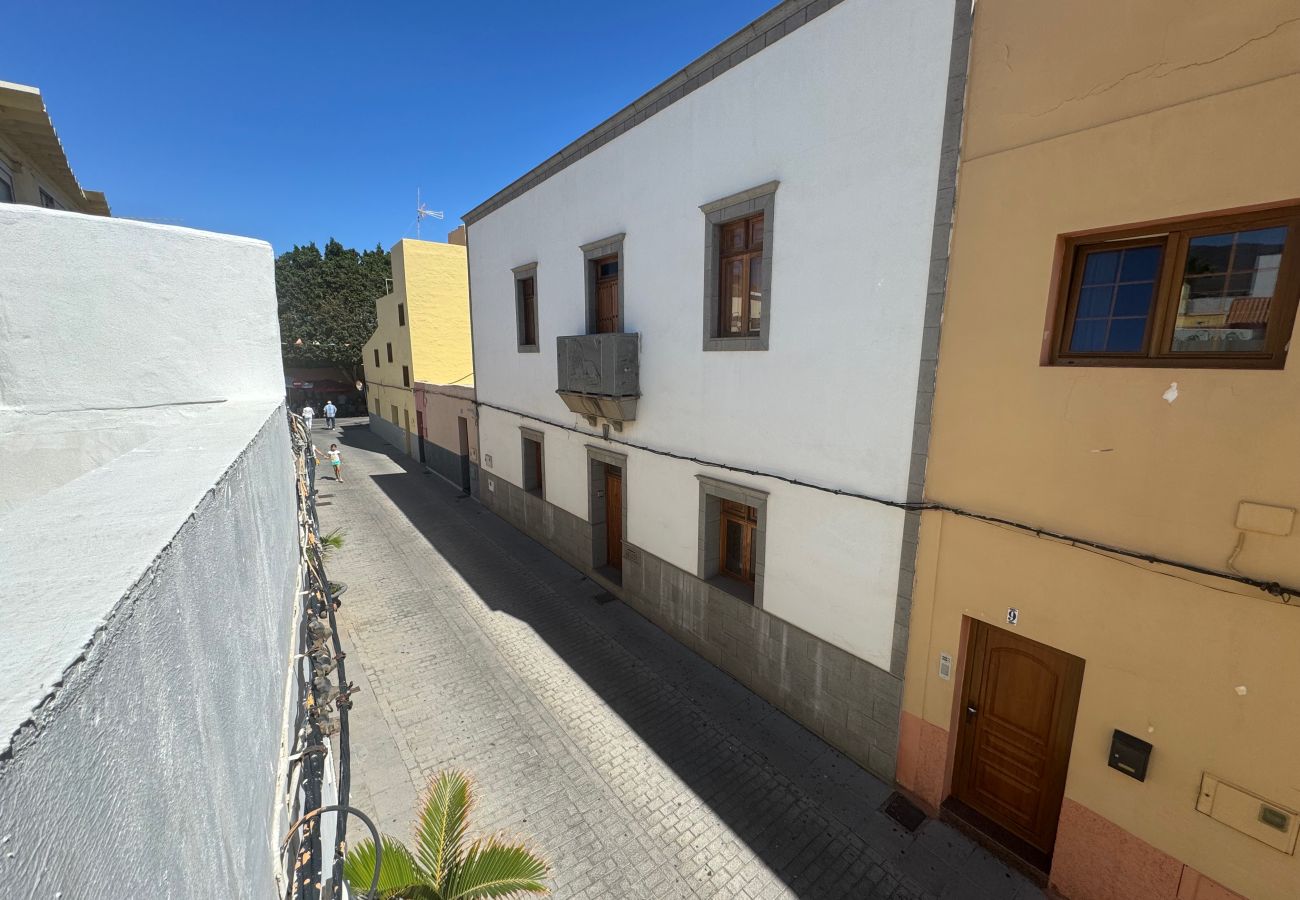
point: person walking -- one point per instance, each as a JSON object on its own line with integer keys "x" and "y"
{"x": 330, "y": 412}
{"x": 307, "y": 415}
{"x": 336, "y": 462}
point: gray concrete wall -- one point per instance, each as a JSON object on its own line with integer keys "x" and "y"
{"x": 151, "y": 771}
{"x": 849, "y": 703}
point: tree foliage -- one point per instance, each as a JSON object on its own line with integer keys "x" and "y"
{"x": 327, "y": 301}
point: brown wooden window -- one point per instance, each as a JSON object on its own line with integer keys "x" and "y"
{"x": 390, "y": 352}
{"x": 1219, "y": 291}
{"x": 406, "y": 376}
{"x": 376, "y": 357}
{"x": 526, "y": 298}
{"x": 401, "y": 314}
{"x": 740, "y": 269}
{"x": 736, "y": 540}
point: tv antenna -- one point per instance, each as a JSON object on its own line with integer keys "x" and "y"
{"x": 422, "y": 212}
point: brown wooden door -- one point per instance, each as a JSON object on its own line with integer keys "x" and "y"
{"x": 1017, "y": 720}
{"x": 605, "y": 272}
{"x": 614, "y": 517}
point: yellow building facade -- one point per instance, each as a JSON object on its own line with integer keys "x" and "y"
{"x": 1129, "y": 727}
{"x": 422, "y": 334}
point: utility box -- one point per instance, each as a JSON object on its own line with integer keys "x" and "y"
{"x": 1249, "y": 813}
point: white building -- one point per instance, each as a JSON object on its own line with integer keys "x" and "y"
{"x": 804, "y": 171}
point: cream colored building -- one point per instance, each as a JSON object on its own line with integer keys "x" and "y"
{"x": 33, "y": 167}
{"x": 422, "y": 335}
{"x": 1114, "y": 369}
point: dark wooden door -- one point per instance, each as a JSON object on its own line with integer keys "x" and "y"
{"x": 463, "y": 427}
{"x": 1017, "y": 720}
{"x": 419, "y": 428}
{"x": 606, "y": 277}
{"x": 614, "y": 517}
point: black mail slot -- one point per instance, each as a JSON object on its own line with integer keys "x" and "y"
{"x": 1129, "y": 755}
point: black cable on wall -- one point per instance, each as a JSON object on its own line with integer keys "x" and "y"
{"x": 1283, "y": 592}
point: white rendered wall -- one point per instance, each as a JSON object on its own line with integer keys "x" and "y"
{"x": 148, "y": 540}
{"x": 103, "y": 313}
{"x": 847, "y": 114}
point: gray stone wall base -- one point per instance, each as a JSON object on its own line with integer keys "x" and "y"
{"x": 393, "y": 434}
{"x": 851, "y": 704}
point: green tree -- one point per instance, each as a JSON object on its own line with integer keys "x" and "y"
{"x": 327, "y": 303}
{"x": 443, "y": 866}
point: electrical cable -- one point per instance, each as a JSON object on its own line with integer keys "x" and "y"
{"x": 1285, "y": 593}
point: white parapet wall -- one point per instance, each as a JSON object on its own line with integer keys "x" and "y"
{"x": 149, "y": 546}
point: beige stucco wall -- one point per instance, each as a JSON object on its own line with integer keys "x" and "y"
{"x": 442, "y": 408}
{"x": 1085, "y": 116}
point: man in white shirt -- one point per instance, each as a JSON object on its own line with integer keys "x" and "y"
{"x": 307, "y": 414}
{"x": 330, "y": 412}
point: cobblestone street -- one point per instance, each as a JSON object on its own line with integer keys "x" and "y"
{"x": 636, "y": 768}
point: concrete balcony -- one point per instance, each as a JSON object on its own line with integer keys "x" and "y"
{"x": 599, "y": 375}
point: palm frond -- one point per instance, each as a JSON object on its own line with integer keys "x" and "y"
{"x": 331, "y": 541}
{"x": 441, "y": 827}
{"x": 398, "y": 875}
{"x": 493, "y": 868}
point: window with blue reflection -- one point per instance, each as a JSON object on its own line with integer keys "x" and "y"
{"x": 1115, "y": 298}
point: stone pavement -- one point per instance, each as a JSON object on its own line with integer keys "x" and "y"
{"x": 635, "y": 767}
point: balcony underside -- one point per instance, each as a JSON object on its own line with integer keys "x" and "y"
{"x": 616, "y": 409}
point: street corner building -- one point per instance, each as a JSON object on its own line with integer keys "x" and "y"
{"x": 149, "y": 542}
{"x": 704, "y": 336}
{"x": 1114, "y": 371}
{"x": 420, "y": 363}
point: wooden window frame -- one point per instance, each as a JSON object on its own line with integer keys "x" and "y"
{"x": 526, "y": 320}
{"x": 376, "y": 357}
{"x": 1174, "y": 236}
{"x": 718, "y": 214}
{"x": 390, "y": 351}
{"x": 406, "y": 376}
{"x": 729, "y": 511}
{"x": 747, "y": 256}
{"x": 401, "y": 315}
{"x": 715, "y": 497}
{"x": 593, "y": 254}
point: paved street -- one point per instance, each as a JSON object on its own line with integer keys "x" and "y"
{"x": 636, "y": 768}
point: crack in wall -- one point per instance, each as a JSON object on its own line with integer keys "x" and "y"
{"x": 1151, "y": 69}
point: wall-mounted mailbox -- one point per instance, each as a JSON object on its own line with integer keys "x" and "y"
{"x": 1129, "y": 755}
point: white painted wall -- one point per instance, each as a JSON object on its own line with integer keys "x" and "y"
{"x": 148, "y": 540}
{"x": 847, "y": 113}
{"x": 103, "y": 313}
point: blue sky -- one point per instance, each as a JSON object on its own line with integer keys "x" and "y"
{"x": 292, "y": 121}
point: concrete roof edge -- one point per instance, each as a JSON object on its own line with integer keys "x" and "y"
{"x": 24, "y": 96}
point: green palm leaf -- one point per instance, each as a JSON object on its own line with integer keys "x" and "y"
{"x": 398, "y": 877}
{"x": 441, "y": 827}
{"x": 492, "y": 868}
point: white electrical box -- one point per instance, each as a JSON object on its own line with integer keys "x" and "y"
{"x": 1249, "y": 813}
